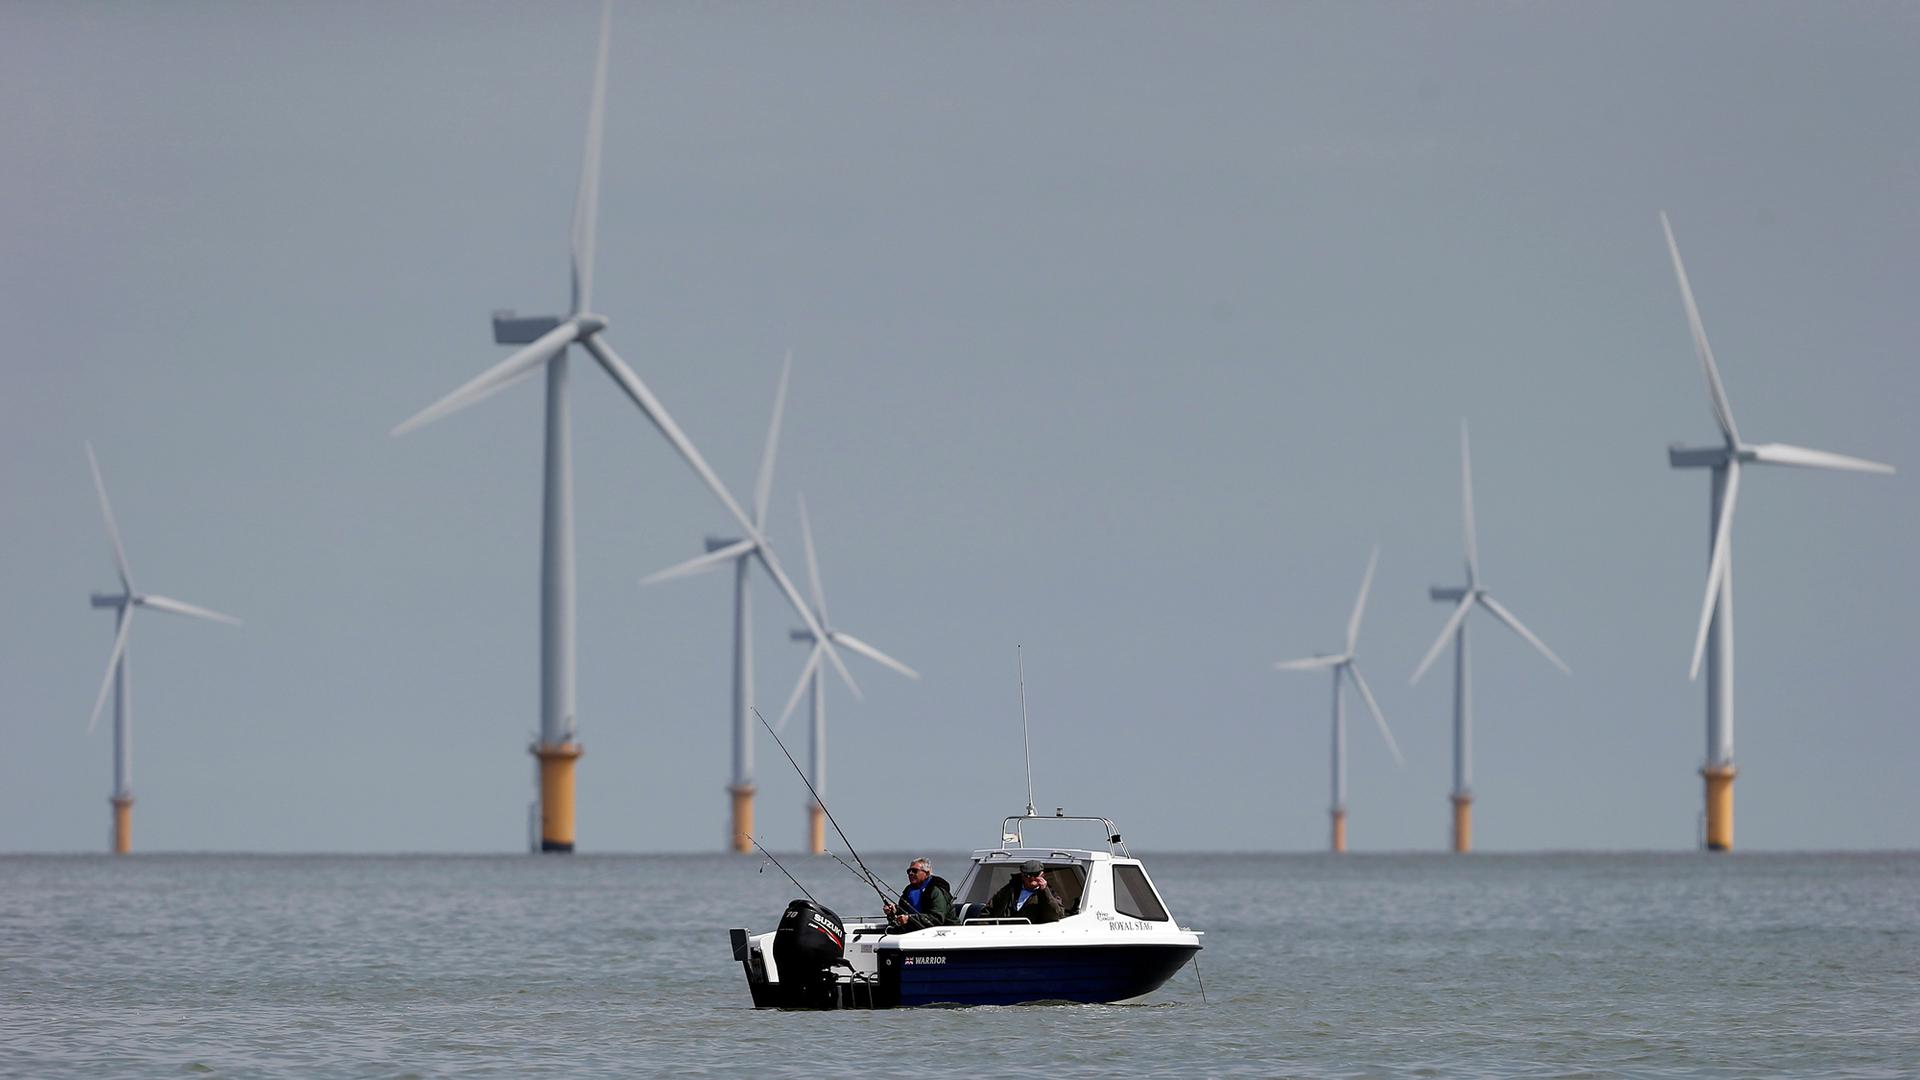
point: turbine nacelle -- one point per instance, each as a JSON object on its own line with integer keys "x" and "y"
{"x": 513, "y": 329}
{"x": 1701, "y": 457}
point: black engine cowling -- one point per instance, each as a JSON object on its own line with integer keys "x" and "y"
{"x": 808, "y": 942}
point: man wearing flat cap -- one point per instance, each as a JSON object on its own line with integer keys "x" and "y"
{"x": 1027, "y": 896}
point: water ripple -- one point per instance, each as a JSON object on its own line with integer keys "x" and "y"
{"x": 1537, "y": 966}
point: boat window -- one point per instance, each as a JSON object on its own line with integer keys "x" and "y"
{"x": 1133, "y": 894}
{"x": 1067, "y": 880}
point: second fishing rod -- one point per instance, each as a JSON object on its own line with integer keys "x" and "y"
{"x": 873, "y": 880}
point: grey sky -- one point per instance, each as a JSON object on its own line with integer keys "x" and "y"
{"x": 1120, "y": 332}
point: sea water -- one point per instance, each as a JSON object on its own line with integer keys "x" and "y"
{"x": 1314, "y": 965}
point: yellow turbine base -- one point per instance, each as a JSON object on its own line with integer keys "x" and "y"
{"x": 740, "y": 840}
{"x": 1339, "y": 831}
{"x": 1462, "y": 823}
{"x": 122, "y": 826}
{"x": 1719, "y": 806}
{"x": 816, "y": 829}
{"x": 556, "y": 794}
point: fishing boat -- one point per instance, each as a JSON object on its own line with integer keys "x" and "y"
{"x": 1116, "y": 941}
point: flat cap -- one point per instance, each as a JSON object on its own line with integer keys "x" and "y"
{"x": 1033, "y": 866}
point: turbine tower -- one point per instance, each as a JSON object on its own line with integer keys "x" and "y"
{"x": 1467, "y": 598}
{"x": 123, "y": 603}
{"x": 822, "y": 638}
{"x": 545, "y": 342}
{"x": 1343, "y": 664}
{"x": 1714, "y": 638}
{"x": 740, "y": 553}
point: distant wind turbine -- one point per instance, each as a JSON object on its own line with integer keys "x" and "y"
{"x": 809, "y": 681}
{"x": 740, "y": 553}
{"x": 1714, "y": 638}
{"x": 1456, "y": 626}
{"x": 1343, "y": 664}
{"x": 545, "y": 341}
{"x": 124, "y": 602}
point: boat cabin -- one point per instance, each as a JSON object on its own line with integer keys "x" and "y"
{"x": 1083, "y": 880}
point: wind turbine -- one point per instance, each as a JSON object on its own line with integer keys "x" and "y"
{"x": 1343, "y": 664}
{"x": 545, "y": 341}
{"x": 1714, "y": 639}
{"x": 740, "y": 553}
{"x": 822, "y": 640}
{"x": 1472, "y": 595}
{"x": 124, "y": 602}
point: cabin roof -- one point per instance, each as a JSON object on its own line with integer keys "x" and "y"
{"x": 1022, "y": 854}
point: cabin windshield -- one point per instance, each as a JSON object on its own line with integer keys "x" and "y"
{"x": 1133, "y": 894}
{"x": 1067, "y": 880}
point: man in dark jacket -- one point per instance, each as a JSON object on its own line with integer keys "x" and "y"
{"x": 1027, "y": 896}
{"x": 926, "y": 901}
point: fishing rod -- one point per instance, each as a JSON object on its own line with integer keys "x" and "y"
{"x": 872, "y": 879}
{"x": 857, "y": 875}
{"x": 782, "y": 869}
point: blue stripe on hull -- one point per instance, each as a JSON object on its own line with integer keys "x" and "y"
{"x": 1084, "y": 973}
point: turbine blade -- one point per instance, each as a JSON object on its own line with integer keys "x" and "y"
{"x": 763, "y": 484}
{"x": 1446, "y": 631}
{"x": 1716, "y": 565}
{"x": 820, "y": 603}
{"x": 586, "y": 202}
{"x": 1782, "y": 454}
{"x": 1466, "y": 503}
{"x": 846, "y": 676}
{"x": 849, "y": 641}
{"x": 162, "y": 603}
{"x": 113, "y": 530}
{"x": 1366, "y": 694}
{"x": 800, "y": 687}
{"x": 494, "y": 379}
{"x": 113, "y": 662}
{"x": 641, "y": 396}
{"x": 1311, "y": 663}
{"x": 1722, "y": 410}
{"x": 813, "y": 564}
{"x": 637, "y": 391}
{"x": 1513, "y": 624}
{"x": 700, "y": 564}
{"x": 1360, "y": 604}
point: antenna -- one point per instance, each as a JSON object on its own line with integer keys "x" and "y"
{"x": 1026, "y": 737}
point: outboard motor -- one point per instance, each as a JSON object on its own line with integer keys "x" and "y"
{"x": 808, "y": 943}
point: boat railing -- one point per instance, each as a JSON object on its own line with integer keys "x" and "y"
{"x": 1013, "y": 830}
